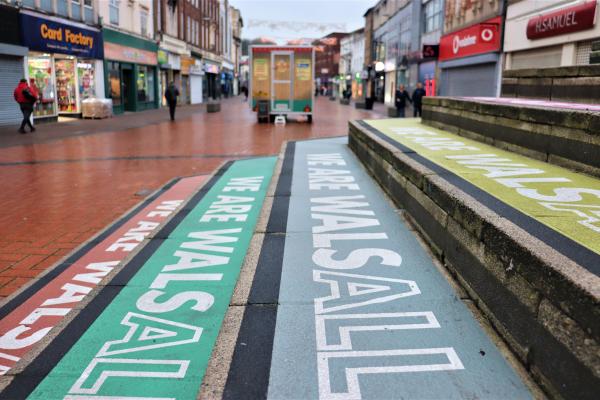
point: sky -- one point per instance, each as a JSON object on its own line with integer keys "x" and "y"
{"x": 283, "y": 20}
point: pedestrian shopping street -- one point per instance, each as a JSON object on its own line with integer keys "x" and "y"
{"x": 67, "y": 184}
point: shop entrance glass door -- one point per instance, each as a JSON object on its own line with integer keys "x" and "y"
{"x": 66, "y": 85}
{"x": 41, "y": 79}
{"x": 281, "y": 84}
{"x": 128, "y": 89}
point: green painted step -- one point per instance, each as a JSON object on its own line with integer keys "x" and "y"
{"x": 156, "y": 337}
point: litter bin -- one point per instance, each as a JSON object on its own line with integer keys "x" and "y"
{"x": 369, "y": 103}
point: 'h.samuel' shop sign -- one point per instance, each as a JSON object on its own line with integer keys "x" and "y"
{"x": 475, "y": 39}
{"x": 565, "y": 20}
{"x": 51, "y": 35}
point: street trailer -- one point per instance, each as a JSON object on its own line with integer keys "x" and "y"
{"x": 282, "y": 81}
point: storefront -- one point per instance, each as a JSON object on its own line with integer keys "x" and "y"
{"x": 212, "y": 81}
{"x": 472, "y": 55}
{"x": 196, "y": 82}
{"x": 552, "y": 35}
{"x": 63, "y": 64}
{"x": 428, "y": 68}
{"x": 187, "y": 63}
{"x": 170, "y": 71}
{"x": 131, "y": 72}
{"x": 11, "y": 64}
{"x": 226, "y": 79}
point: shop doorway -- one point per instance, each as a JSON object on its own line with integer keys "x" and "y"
{"x": 128, "y": 89}
{"x": 281, "y": 83}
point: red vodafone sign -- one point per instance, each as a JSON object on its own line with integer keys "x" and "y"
{"x": 476, "y": 39}
{"x": 565, "y": 20}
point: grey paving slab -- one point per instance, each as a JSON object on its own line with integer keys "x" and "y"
{"x": 354, "y": 328}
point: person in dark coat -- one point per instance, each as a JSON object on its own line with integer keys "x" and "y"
{"x": 26, "y": 96}
{"x": 417, "y": 99}
{"x": 400, "y": 100}
{"x": 171, "y": 95}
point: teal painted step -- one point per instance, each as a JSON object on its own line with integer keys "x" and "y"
{"x": 156, "y": 337}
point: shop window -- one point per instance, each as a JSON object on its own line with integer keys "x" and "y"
{"x": 47, "y": 5}
{"x": 61, "y": 7}
{"x": 144, "y": 22}
{"x": 114, "y": 81}
{"x": 113, "y": 9}
{"x": 86, "y": 78}
{"x": 28, "y": 3}
{"x": 150, "y": 85}
{"x": 145, "y": 84}
{"x": 66, "y": 92}
{"x": 41, "y": 78}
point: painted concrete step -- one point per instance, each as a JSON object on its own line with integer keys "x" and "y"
{"x": 564, "y": 134}
{"x": 27, "y": 317}
{"x": 523, "y": 236}
{"x": 149, "y": 331}
{"x": 346, "y": 303}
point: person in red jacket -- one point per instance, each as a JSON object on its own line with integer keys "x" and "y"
{"x": 26, "y": 97}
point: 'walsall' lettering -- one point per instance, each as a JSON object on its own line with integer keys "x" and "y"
{"x": 345, "y": 227}
{"x": 178, "y": 291}
{"x": 19, "y": 335}
{"x": 582, "y": 202}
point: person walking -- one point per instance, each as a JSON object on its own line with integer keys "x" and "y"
{"x": 26, "y": 97}
{"x": 171, "y": 95}
{"x": 417, "y": 99}
{"x": 245, "y": 92}
{"x": 400, "y": 100}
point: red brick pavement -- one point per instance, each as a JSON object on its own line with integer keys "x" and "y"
{"x": 66, "y": 182}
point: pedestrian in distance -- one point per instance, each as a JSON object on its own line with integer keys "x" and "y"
{"x": 417, "y": 99}
{"x": 26, "y": 96}
{"x": 171, "y": 95}
{"x": 245, "y": 91}
{"x": 400, "y": 100}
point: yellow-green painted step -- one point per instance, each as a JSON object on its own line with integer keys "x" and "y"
{"x": 566, "y": 201}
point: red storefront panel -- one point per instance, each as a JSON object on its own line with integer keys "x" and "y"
{"x": 566, "y": 20}
{"x": 475, "y": 39}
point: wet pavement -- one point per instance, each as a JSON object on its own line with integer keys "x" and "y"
{"x": 66, "y": 182}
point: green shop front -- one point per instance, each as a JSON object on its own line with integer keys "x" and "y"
{"x": 130, "y": 65}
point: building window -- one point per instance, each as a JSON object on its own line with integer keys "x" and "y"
{"x": 88, "y": 11}
{"x": 61, "y": 7}
{"x": 113, "y": 8}
{"x": 144, "y": 22}
{"x": 188, "y": 33}
{"x": 29, "y": 3}
{"x": 76, "y": 9}
{"x": 46, "y": 5}
{"x": 433, "y": 15}
{"x": 584, "y": 49}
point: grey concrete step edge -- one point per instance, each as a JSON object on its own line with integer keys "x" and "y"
{"x": 555, "y": 145}
{"x": 559, "y": 72}
{"x": 543, "y": 304}
{"x": 587, "y": 121}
